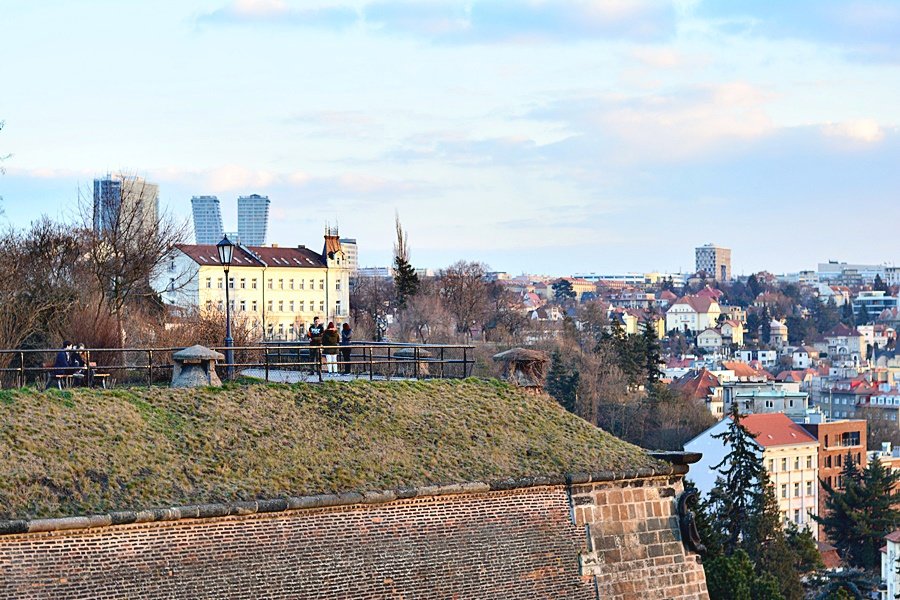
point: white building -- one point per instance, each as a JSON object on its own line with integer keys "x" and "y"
{"x": 352, "y": 250}
{"x": 279, "y": 290}
{"x": 692, "y": 313}
{"x": 789, "y": 454}
{"x": 890, "y": 554}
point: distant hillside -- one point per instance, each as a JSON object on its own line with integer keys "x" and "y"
{"x": 90, "y": 451}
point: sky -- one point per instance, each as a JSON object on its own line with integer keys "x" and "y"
{"x": 559, "y": 137}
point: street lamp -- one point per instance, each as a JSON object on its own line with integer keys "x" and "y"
{"x": 226, "y": 252}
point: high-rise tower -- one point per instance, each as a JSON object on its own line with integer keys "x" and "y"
{"x": 207, "y": 219}
{"x": 253, "y": 219}
{"x": 125, "y": 204}
{"x": 715, "y": 261}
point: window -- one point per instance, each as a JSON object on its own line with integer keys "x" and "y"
{"x": 269, "y": 329}
{"x": 797, "y": 490}
{"x": 337, "y": 307}
{"x": 281, "y": 306}
{"x": 796, "y": 463}
{"x": 270, "y": 306}
{"x": 291, "y": 306}
{"x": 231, "y": 283}
{"x": 784, "y": 464}
{"x": 809, "y": 488}
{"x": 840, "y": 459}
{"x": 302, "y": 284}
{"x": 321, "y": 284}
{"x": 827, "y": 462}
{"x": 337, "y": 285}
{"x": 231, "y": 304}
{"x": 253, "y": 283}
{"x": 797, "y": 516}
{"x": 322, "y": 306}
{"x": 784, "y": 490}
{"x": 302, "y": 306}
{"x": 291, "y": 328}
{"x": 209, "y": 305}
{"x": 243, "y": 305}
{"x": 253, "y": 306}
{"x": 809, "y": 462}
{"x": 219, "y": 283}
{"x": 281, "y": 284}
{"x": 771, "y": 465}
{"x": 281, "y": 329}
{"x": 209, "y": 282}
{"x": 291, "y": 285}
{"x": 243, "y": 283}
{"x": 269, "y": 283}
{"x": 220, "y": 306}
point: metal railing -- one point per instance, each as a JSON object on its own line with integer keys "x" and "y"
{"x": 271, "y": 362}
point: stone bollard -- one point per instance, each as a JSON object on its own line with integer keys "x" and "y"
{"x": 195, "y": 367}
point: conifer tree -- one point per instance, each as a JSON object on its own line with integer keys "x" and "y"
{"x": 741, "y": 471}
{"x": 562, "y": 382}
{"x": 406, "y": 280}
{"x": 651, "y": 353}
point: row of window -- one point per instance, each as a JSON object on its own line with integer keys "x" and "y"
{"x": 299, "y": 284}
{"x": 808, "y": 460}
{"x": 292, "y": 306}
{"x": 809, "y": 489}
{"x": 798, "y": 516}
{"x": 839, "y": 460}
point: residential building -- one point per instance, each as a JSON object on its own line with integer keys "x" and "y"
{"x": 778, "y": 333}
{"x": 890, "y": 576}
{"x": 842, "y": 345}
{"x": 253, "y": 219}
{"x": 279, "y": 290}
{"x": 735, "y": 313}
{"x": 352, "y": 252}
{"x": 207, "y": 220}
{"x": 702, "y": 385}
{"x": 804, "y": 357}
{"x": 692, "y": 313}
{"x": 715, "y": 261}
{"x": 710, "y": 340}
{"x": 892, "y": 276}
{"x": 126, "y": 204}
{"x": 766, "y": 358}
{"x": 732, "y": 332}
{"x": 836, "y": 439}
{"x": 849, "y": 274}
{"x": 788, "y": 453}
{"x": 868, "y": 305}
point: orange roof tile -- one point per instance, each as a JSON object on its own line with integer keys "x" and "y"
{"x": 776, "y": 429}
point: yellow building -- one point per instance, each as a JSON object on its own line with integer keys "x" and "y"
{"x": 279, "y": 289}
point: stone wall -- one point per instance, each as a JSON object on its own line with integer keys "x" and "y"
{"x": 522, "y": 542}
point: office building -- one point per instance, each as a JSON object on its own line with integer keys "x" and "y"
{"x": 715, "y": 261}
{"x": 253, "y": 219}
{"x": 125, "y": 204}
{"x": 207, "y": 219}
{"x": 348, "y": 245}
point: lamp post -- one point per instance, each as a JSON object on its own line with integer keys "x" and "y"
{"x": 226, "y": 252}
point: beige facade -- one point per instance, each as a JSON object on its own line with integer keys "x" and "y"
{"x": 793, "y": 470}
{"x": 280, "y": 290}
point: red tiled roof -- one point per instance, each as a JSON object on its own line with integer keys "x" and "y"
{"x": 841, "y": 330}
{"x": 255, "y": 256}
{"x": 700, "y": 304}
{"x": 708, "y": 292}
{"x": 775, "y": 429}
{"x": 741, "y": 369}
{"x": 697, "y": 384}
{"x": 893, "y": 536}
{"x": 666, "y": 295}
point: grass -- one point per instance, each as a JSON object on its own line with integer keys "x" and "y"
{"x": 88, "y": 451}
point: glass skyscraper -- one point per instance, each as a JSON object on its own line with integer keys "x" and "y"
{"x": 253, "y": 219}
{"x": 122, "y": 202}
{"x": 207, "y": 219}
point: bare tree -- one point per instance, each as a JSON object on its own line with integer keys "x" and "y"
{"x": 370, "y": 303}
{"x": 37, "y": 283}
{"x": 464, "y": 291}
{"x": 128, "y": 244}
{"x": 425, "y": 319}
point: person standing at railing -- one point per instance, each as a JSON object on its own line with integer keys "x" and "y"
{"x": 314, "y": 333}
{"x": 346, "y": 336}
{"x": 330, "y": 341}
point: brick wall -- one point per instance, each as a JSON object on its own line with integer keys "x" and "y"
{"x": 518, "y": 543}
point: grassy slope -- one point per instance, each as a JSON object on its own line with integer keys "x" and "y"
{"x": 89, "y": 451}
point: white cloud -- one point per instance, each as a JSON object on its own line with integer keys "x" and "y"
{"x": 859, "y": 130}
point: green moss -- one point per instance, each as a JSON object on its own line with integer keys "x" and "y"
{"x": 87, "y": 451}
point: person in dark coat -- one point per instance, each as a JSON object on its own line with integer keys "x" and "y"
{"x": 346, "y": 336}
{"x": 330, "y": 341}
{"x": 63, "y": 363}
{"x": 315, "y": 342}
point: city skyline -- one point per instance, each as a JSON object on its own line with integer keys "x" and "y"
{"x": 535, "y": 137}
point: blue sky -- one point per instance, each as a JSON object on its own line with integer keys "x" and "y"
{"x": 555, "y": 136}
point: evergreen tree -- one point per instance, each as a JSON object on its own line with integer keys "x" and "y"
{"x": 841, "y": 505}
{"x": 562, "y": 382}
{"x": 879, "y": 516}
{"x": 765, "y": 326}
{"x": 847, "y": 317}
{"x": 864, "y": 317}
{"x": 805, "y": 549}
{"x": 406, "y": 280}
{"x": 651, "y": 350}
{"x": 563, "y": 291}
{"x": 880, "y": 285}
{"x": 826, "y": 315}
{"x": 767, "y": 543}
{"x": 754, "y": 286}
{"x": 740, "y": 470}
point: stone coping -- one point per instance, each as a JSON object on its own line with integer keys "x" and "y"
{"x": 209, "y": 511}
